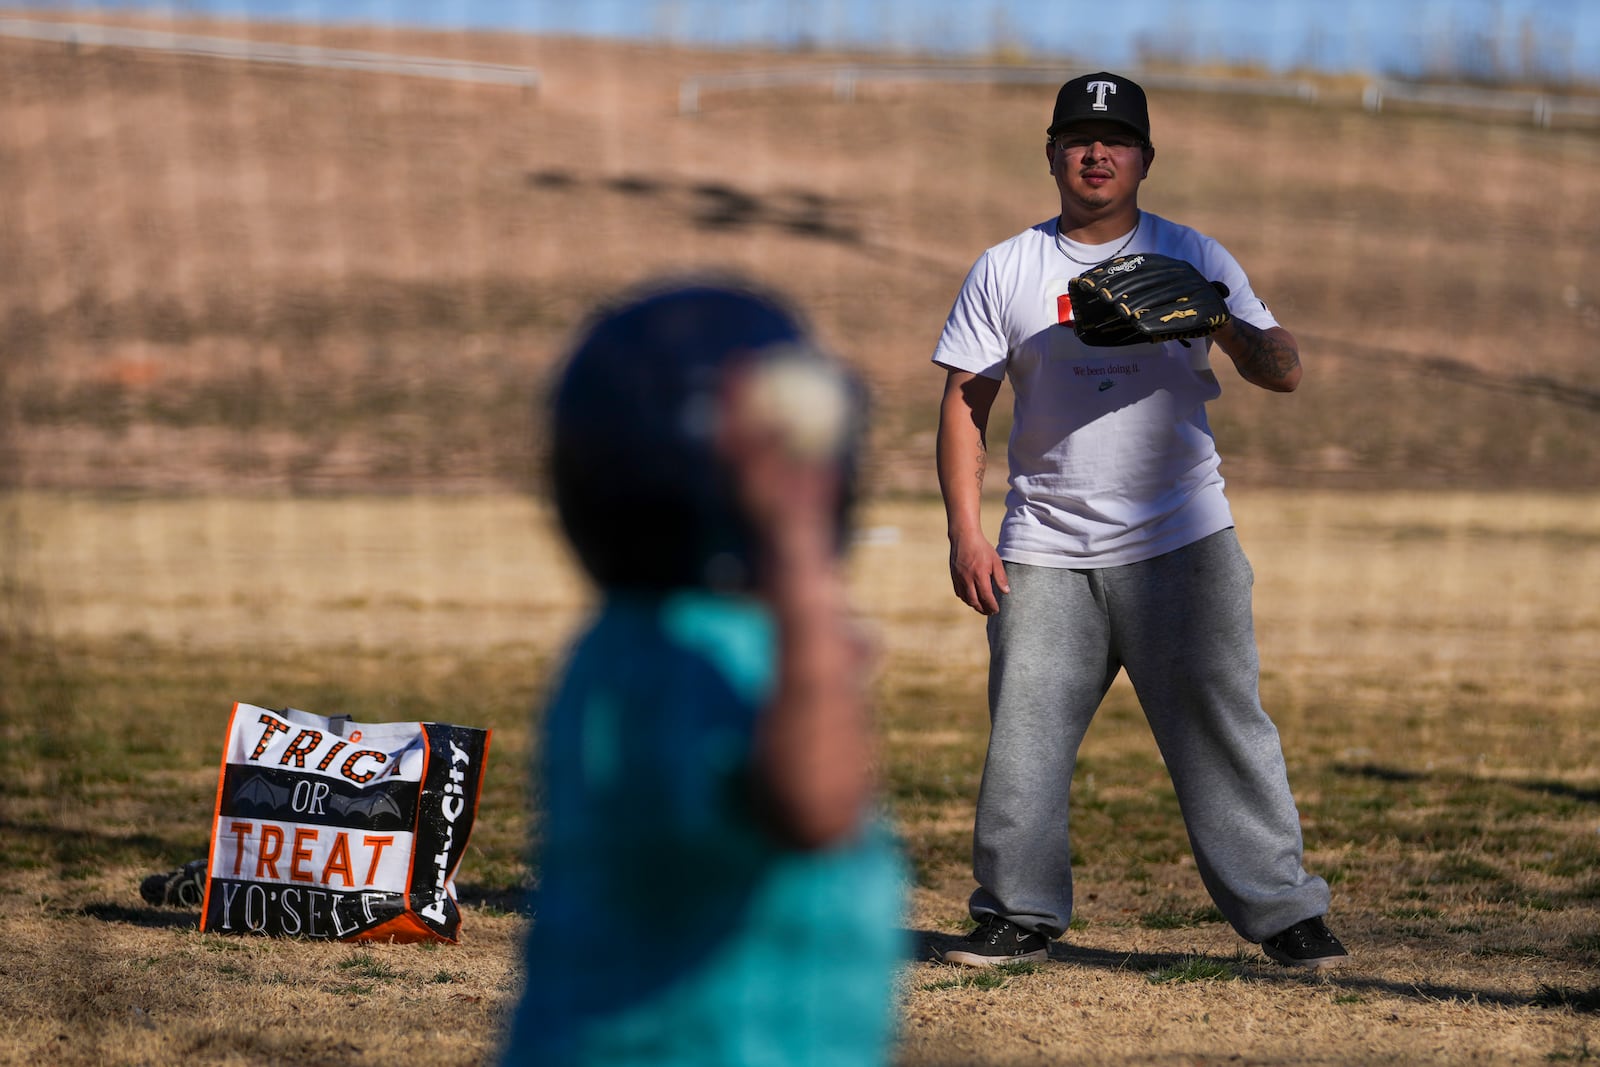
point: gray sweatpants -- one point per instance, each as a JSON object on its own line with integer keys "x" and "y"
{"x": 1180, "y": 625}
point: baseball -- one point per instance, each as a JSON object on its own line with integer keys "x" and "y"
{"x": 806, "y": 401}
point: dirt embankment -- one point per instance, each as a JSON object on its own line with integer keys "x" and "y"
{"x": 218, "y": 273}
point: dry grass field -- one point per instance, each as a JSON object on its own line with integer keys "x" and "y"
{"x": 271, "y": 343}
{"x": 1427, "y": 663}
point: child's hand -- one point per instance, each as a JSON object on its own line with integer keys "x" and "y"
{"x": 784, "y": 433}
{"x": 783, "y": 430}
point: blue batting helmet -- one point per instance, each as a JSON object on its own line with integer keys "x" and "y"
{"x": 638, "y": 487}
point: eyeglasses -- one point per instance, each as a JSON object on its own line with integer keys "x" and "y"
{"x": 1076, "y": 142}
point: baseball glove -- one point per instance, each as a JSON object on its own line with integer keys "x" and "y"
{"x": 1145, "y": 299}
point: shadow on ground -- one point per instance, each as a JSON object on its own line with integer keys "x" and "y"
{"x": 150, "y": 918}
{"x": 931, "y": 945}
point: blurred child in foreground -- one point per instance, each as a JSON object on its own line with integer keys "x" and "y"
{"x": 713, "y": 887}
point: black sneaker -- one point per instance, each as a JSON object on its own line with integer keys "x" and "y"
{"x": 182, "y": 888}
{"x": 1306, "y": 944}
{"x": 997, "y": 940}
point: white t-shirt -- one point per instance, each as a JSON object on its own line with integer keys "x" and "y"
{"x": 1111, "y": 458}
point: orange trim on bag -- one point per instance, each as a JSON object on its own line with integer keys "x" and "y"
{"x": 216, "y": 814}
{"x": 403, "y": 929}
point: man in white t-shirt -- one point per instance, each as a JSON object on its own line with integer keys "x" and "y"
{"x": 1117, "y": 552}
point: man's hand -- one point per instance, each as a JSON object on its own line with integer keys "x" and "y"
{"x": 976, "y": 571}
{"x": 975, "y": 567}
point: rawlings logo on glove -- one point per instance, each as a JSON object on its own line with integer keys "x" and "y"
{"x": 1146, "y": 299}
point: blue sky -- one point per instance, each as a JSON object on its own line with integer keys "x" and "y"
{"x": 1559, "y": 38}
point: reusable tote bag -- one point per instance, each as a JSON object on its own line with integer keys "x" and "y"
{"x": 333, "y": 829}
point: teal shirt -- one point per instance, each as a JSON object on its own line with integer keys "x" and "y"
{"x": 669, "y": 927}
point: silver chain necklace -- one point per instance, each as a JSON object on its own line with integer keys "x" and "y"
{"x": 1062, "y": 248}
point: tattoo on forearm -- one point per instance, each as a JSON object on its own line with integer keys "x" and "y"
{"x": 982, "y": 464}
{"x": 1264, "y": 356}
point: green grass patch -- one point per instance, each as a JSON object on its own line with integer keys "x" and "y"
{"x": 985, "y": 979}
{"x": 1589, "y": 943}
{"x": 1196, "y": 969}
{"x": 1518, "y": 951}
{"x": 1464, "y": 868}
{"x": 368, "y": 966}
{"x": 1172, "y": 915}
{"x": 353, "y": 989}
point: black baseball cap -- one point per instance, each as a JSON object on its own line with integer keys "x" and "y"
{"x": 1101, "y": 97}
